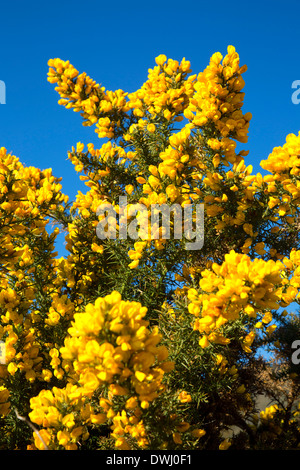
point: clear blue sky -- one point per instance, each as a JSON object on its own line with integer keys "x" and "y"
{"x": 116, "y": 43}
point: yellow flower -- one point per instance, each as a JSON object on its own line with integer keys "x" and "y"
{"x": 4, "y": 403}
{"x": 98, "y": 418}
{"x": 90, "y": 382}
{"x": 97, "y": 248}
{"x": 271, "y": 329}
{"x": 225, "y": 444}
{"x": 129, "y": 189}
{"x": 184, "y": 397}
{"x": 116, "y": 389}
{"x": 131, "y": 403}
{"x": 161, "y": 59}
{"x": 151, "y": 128}
{"x": 63, "y": 438}
{"x": 267, "y": 318}
{"x": 176, "y": 438}
{"x": 259, "y": 248}
{"x": 203, "y": 342}
{"x": 167, "y": 114}
{"x": 248, "y": 340}
{"x": 182, "y": 427}
{"x": 68, "y": 420}
{"x": 141, "y": 180}
{"x": 198, "y": 433}
{"x": 79, "y": 147}
{"x": 134, "y": 264}
{"x": 140, "y": 376}
{"x": 12, "y": 368}
{"x": 76, "y": 432}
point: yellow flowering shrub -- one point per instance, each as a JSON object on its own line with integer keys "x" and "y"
{"x": 239, "y": 287}
{"x": 133, "y": 339}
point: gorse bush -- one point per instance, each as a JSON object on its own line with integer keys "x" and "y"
{"x": 140, "y": 342}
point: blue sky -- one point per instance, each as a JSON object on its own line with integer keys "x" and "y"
{"x": 116, "y": 43}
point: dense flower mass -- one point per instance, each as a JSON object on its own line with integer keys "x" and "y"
{"x": 239, "y": 287}
{"x": 132, "y": 352}
{"x": 132, "y": 340}
{"x": 109, "y": 348}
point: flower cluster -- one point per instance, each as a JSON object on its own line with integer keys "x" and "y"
{"x": 166, "y": 91}
{"x": 131, "y": 343}
{"x": 237, "y": 287}
{"x": 82, "y": 94}
{"x": 217, "y": 102}
{"x": 109, "y": 351}
{"x": 282, "y": 185}
{"x": 4, "y": 403}
{"x": 27, "y": 195}
{"x": 63, "y": 414}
